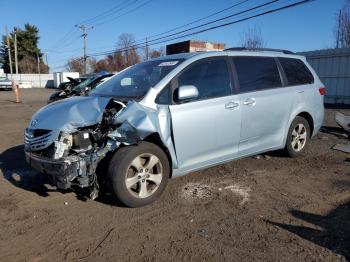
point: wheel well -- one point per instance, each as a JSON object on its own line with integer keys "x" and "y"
{"x": 309, "y": 119}
{"x": 155, "y": 139}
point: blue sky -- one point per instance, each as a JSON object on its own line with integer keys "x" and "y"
{"x": 306, "y": 27}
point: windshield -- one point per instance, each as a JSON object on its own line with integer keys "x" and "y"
{"x": 84, "y": 83}
{"x": 135, "y": 81}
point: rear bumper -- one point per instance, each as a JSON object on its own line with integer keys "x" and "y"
{"x": 60, "y": 172}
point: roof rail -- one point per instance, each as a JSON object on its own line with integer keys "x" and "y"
{"x": 259, "y": 49}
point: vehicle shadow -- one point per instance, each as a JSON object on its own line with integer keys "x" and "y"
{"x": 333, "y": 232}
{"x": 15, "y": 169}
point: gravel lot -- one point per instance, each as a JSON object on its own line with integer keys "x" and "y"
{"x": 270, "y": 208}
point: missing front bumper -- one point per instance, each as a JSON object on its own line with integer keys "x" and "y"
{"x": 60, "y": 172}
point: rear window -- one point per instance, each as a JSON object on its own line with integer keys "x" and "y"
{"x": 257, "y": 73}
{"x": 296, "y": 71}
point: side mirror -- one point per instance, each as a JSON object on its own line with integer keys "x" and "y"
{"x": 185, "y": 93}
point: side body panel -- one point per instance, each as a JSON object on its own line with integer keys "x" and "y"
{"x": 205, "y": 132}
{"x": 201, "y": 133}
{"x": 265, "y": 123}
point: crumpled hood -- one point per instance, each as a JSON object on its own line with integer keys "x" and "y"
{"x": 71, "y": 113}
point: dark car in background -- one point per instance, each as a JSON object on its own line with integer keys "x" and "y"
{"x": 80, "y": 89}
{"x": 72, "y": 82}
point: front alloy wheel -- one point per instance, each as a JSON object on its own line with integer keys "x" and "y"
{"x": 137, "y": 175}
{"x": 144, "y": 175}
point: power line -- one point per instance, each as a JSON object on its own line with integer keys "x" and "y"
{"x": 111, "y": 11}
{"x": 217, "y": 20}
{"x": 126, "y": 13}
{"x": 64, "y": 39}
{"x": 217, "y": 26}
{"x": 203, "y": 30}
{"x": 198, "y": 20}
{"x": 208, "y": 23}
{"x": 168, "y": 31}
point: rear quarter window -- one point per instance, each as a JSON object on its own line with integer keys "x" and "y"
{"x": 257, "y": 73}
{"x": 296, "y": 71}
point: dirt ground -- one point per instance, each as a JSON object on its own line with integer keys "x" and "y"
{"x": 270, "y": 208}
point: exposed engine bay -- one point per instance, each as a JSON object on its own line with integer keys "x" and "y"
{"x": 70, "y": 154}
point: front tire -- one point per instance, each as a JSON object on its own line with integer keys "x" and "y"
{"x": 298, "y": 137}
{"x": 137, "y": 175}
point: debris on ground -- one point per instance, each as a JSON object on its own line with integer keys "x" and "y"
{"x": 342, "y": 147}
{"x": 241, "y": 191}
{"x": 196, "y": 191}
{"x": 343, "y": 120}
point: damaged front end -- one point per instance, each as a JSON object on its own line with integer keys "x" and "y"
{"x": 68, "y": 139}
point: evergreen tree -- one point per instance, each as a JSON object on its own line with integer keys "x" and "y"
{"x": 27, "y": 50}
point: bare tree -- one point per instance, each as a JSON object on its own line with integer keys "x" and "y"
{"x": 29, "y": 65}
{"x": 124, "y": 56}
{"x": 75, "y": 65}
{"x": 156, "y": 53}
{"x": 111, "y": 63}
{"x": 126, "y": 42}
{"x": 252, "y": 38}
{"x": 343, "y": 27}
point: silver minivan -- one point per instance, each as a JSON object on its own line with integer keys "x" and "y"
{"x": 173, "y": 115}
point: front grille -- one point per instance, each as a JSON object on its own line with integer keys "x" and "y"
{"x": 38, "y": 139}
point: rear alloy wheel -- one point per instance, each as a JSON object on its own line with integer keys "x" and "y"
{"x": 138, "y": 174}
{"x": 298, "y": 137}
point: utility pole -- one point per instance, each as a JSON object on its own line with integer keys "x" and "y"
{"x": 84, "y": 28}
{"x": 339, "y": 29}
{"x": 16, "y": 59}
{"x": 147, "y": 55}
{"x": 47, "y": 62}
{"x": 9, "y": 50}
{"x": 38, "y": 60}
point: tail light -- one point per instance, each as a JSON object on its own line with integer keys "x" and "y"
{"x": 322, "y": 91}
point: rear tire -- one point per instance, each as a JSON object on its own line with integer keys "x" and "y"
{"x": 298, "y": 137}
{"x": 137, "y": 175}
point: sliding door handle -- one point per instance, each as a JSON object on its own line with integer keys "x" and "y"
{"x": 249, "y": 102}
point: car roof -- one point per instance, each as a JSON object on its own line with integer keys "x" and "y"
{"x": 177, "y": 56}
{"x": 203, "y": 54}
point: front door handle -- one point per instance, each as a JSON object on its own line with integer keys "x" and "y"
{"x": 249, "y": 102}
{"x": 231, "y": 105}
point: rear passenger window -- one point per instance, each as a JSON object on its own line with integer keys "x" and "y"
{"x": 257, "y": 73}
{"x": 296, "y": 71}
{"x": 210, "y": 76}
